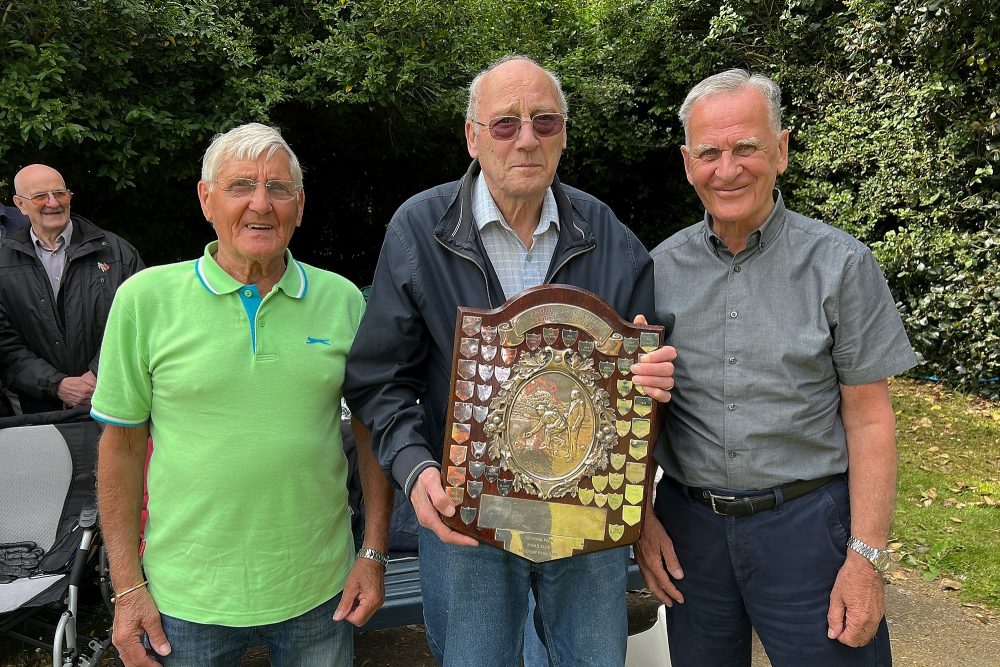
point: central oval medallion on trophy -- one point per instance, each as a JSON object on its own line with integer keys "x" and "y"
{"x": 551, "y": 422}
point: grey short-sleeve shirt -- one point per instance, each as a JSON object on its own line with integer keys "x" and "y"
{"x": 764, "y": 340}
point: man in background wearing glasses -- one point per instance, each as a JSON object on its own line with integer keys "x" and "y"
{"x": 58, "y": 276}
{"x": 507, "y": 225}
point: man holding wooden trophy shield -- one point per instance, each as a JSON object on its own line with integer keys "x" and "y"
{"x": 536, "y": 418}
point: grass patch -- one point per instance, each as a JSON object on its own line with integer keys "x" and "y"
{"x": 947, "y": 521}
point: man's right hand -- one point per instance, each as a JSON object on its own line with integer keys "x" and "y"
{"x": 658, "y": 562}
{"x": 75, "y": 391}
{"x": 136, "y": 616}
{"x": 429, "y": 502}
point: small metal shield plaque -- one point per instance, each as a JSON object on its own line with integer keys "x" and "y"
{"x": 634, "y": 493}
{"x": 458, "y": 454}
{"x": 479, "y": 413}
{"x": 464, "y": 389}
{"x": 543, "y": 434}
{"x": 471, "y": 325}
{"x": 615, "y": 480}
{"x": 456, "y": 476}
{"x": 643, "y": 405}
{"x": 470, "y": 347}
{"x": 463, "y": 411}
{"x": 466, "y": 368}
{"x": 460, "y": 432}
{"x": 468, "y": 513}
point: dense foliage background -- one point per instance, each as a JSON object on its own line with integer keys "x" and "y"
{"x": 893, "y": 107}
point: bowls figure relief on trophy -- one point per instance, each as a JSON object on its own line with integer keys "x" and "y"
{"x": 550, "y": 424}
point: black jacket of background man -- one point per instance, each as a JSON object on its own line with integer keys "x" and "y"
{"x": 45, "y": 339}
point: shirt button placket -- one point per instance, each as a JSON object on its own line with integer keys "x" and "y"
{"x": 731, "y": 384}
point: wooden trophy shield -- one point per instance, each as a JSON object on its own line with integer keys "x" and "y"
{"x": 548, "y": 444}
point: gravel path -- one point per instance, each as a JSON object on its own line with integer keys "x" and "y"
{"x": 927, "y": 626}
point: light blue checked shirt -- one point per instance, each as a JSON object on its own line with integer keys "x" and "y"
{"x": 517, "y": 267}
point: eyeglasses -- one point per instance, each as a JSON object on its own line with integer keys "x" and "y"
{"x": 507, "y": 128}
{"x": 712, "y": 154}
{"x": 276, "y": 190}
{"x": 40, "y": 199}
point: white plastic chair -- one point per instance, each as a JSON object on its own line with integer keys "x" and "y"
{"x": 650, "y": 648}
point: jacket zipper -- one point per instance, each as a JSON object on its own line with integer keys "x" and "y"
{"x": 565, "y": 261}
{"x": 471, "y": 258}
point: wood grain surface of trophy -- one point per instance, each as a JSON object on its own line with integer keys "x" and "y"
{"x": 548, "y": 443}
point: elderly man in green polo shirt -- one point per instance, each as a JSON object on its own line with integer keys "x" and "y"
{"x": 234, "y": 363}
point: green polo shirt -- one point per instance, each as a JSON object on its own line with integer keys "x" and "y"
{"x": 248, "y": 515}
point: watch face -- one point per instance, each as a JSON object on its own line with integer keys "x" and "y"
{"x": 882, "y": 562}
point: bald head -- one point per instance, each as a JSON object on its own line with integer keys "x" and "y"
{"x": 49, "y": 218}
{"x": 33, "y": 173}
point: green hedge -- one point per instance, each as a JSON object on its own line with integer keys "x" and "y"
{"x": 894, "y": 107}
{"x": 947, "y": 284}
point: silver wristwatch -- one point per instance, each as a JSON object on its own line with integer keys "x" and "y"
{"x": 378, "y": 556}
{"x": 879, "y": 558}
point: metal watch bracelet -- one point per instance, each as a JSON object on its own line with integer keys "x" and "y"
{"x": 375, "y": 555}
{"x": 877, "y": 557}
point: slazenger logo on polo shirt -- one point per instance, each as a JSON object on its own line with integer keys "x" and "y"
{"x": 313, "y": 341}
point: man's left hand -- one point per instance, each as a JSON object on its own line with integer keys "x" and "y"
{"x": 363, "y": 592}
{"x": 76, "y": 390}
{"x": 654, "y": 371}
{"x": 857, "y": 602}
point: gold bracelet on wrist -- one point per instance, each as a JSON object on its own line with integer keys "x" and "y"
{"x": 118, "y": 596}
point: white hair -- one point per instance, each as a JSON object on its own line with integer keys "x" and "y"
{"x": 732, "y": 81}
{"x": 247, "y": 142}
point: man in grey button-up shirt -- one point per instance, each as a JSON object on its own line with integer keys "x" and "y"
{"x": 786, "y": 332}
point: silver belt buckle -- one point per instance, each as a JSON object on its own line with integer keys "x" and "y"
{"x": 712, "y": 498}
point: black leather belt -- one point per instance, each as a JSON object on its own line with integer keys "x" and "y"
{"x": 744, "y": 505}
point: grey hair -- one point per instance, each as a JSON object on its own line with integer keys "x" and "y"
{"x": 732, "y": 81}
{"x": 470, "y": 109}
{"x": 247, "y": 142}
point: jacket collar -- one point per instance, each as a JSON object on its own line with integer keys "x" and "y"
{"x": 216, "y": 281}
{"x": 85, "y": 238}
{"x": 457, "y": 227}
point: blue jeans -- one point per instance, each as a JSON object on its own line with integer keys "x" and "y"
{"x": 310, "y": 640}
{"x": 773, "y": 571}
{"x": 535, "y": 654}
{"x": 476, "y": 602}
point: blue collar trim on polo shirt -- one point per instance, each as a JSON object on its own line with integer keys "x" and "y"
{"x": 216, "y": 281}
